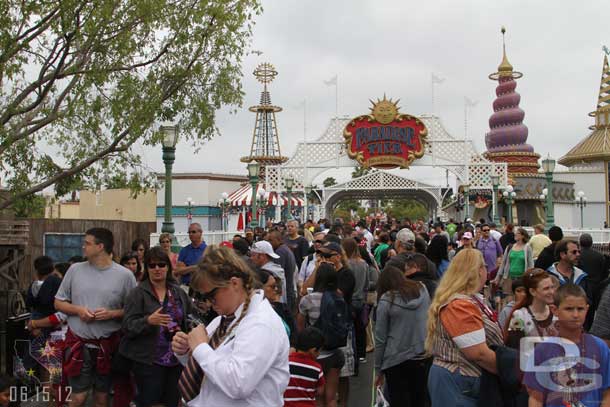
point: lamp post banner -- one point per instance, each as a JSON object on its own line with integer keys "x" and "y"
{"x": 385, "y": 138}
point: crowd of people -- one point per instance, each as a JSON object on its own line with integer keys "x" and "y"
{"x": 450, "y": 314}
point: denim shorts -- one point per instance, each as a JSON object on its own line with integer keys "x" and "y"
{"x": 448, "y": 389}
{"x": 89, "y": 377}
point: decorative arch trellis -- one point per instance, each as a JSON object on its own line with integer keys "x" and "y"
{"x": 442, "y": 150}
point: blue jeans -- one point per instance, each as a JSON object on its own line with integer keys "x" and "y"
{"x": 448, "y": 389}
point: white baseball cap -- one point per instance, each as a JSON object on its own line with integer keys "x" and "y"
{"x": 264, "y": 247}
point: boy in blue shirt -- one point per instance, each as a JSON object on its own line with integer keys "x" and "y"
{"x": 572, "y": 370}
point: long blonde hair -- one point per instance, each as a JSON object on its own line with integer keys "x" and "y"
{"x": 462, "y": 277}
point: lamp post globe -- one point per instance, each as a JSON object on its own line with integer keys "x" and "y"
{"x": 548, "y": 166}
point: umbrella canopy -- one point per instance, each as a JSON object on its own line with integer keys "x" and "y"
{"x": 243, "y": 197}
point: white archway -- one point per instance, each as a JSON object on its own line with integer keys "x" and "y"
{"x": 442, "y": 151}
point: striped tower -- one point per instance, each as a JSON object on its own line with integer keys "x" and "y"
{"x": 506, "y": 139}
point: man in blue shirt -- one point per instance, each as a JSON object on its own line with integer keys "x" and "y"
{"x": 190, "y": 255}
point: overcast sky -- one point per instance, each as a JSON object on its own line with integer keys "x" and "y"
{"x": 392, "y": 47}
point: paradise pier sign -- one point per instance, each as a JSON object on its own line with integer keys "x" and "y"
{"x": 385, "y": 138}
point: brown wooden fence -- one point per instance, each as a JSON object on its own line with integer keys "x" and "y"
{"x": 124, "y": 234}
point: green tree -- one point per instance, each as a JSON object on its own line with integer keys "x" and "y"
{"x": 360, "y": 171}
{"x": 406, "y": 208}
{"x": 82, "y": 81}
{"x": 329, "y": 182}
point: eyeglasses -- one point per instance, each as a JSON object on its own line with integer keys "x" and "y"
{"x": 160, "y": 264}
{"x": 209, "y": 296}
{"x": 165, "y": 241}
{"x": 325, "y": 255}
{"x": 574, "y": 251}
{"x": 485, "y": 230}
{"x": 319, "y": 241}
{"x": 193, "y": 231}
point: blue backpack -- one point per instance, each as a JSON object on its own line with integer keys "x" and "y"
{"x": 333, "y": 320}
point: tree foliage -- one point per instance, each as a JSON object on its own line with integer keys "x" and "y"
{"x": 329, "y": 182}
{"x": 82, "y": 82}
{"x": 406, "y": 208}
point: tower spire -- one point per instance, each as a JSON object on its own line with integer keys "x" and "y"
{"x": 506, "y": 140}
{"x": 265, "y": 148}
{"x": 602, "y": 112}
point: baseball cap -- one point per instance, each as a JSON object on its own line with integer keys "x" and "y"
{"x": 467, "y": 235}
{"x": 331, "y": 247}
{"x": 405, "y": 235}
{"x": 264, "y": 247}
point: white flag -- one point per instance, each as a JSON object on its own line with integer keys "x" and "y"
{"x": 470, "y": 103}
{"x": 436, "y": 79}
{"x": 332, "y": 81}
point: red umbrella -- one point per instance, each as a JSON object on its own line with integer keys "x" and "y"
{"x": 240, "y": 222}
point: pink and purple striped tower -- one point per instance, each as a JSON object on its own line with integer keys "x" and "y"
{"x": 507, "y": 137}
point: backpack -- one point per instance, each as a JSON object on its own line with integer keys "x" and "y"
{"x": 333, "y": 320}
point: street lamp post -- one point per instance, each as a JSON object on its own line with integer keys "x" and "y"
{"x": 495, "y": 181}
{"x": 307, "y": 189}
{"x": 581, "y": 201}
{"x": 542, "y": 197}
{"x": 170, "y": 138}
{"x": 548, "y": 165}
{"x": 263, "y": 198}
{"x": 189, "y": 210}
{"x": 253, "y": 171}
{"x": 509, "y": 195}
{"x": 224, "y": 205}
{"x": 289, "y": 182}
{"x": 466, "y": 189}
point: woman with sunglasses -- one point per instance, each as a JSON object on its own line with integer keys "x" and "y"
{"x": 165, "y": 241}
{"x": 155, "y": 310}
{"x": 241, "y": 357}
{"x": 532, "y": 316}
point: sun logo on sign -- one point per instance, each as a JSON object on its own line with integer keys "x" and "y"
{"x": 385, "y": 111}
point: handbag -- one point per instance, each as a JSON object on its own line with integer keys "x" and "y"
{"x": 380, "y": 400}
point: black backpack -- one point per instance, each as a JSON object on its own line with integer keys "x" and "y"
{"x": 333, "y": 320}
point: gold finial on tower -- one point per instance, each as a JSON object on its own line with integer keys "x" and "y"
{"x": 505, "y": 68}
{"x": 265, "y": 73}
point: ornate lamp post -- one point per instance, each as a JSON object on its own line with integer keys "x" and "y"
{"x": 189, "y": 210}
{"x": 289, "y": 182}
{"x": 509, "y": 196}
{"x": 548, "y": 165}
{"x": 224, "y": 205}
{"x": 253, "y": 171}
{"x": 542, "y": 197}
{"x": 308, "y": 189}
{"x": 495, "y": 181}
{"x": 581, "y": 201}
{"x": 170, "y": 138}
{"x": 466, "y": 189}
{"x": 263, "y": 199}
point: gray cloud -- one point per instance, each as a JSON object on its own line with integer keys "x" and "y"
{"x": 391, "y": 47}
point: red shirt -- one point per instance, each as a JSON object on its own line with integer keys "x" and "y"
{"x": 305, "y": 377}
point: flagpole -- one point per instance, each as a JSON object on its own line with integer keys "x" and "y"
{"x": 305, "y": 159}
{"x": 337, "y": 97}
{"x": 432, "y": 91}
{"x": 465, "y": 119}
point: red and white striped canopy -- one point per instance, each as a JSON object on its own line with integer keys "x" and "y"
{"x": 243, "y": 197}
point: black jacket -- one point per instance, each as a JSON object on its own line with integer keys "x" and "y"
{"x": 139, "y": 340}
{"x": 43, "y": 303}
{"x": 503, "y": 389}
{"x": 546, "y": 258}
{"x": 594, "y": 264}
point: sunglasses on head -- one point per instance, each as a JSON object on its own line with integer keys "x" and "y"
{"x": 160, "y": 264}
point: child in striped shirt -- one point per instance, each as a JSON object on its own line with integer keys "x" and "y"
{"x": 306, "y": 377}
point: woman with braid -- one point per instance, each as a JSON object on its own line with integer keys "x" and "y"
{"x": 241, "y": 357}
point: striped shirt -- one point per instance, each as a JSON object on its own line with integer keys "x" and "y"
{"x": 305, "y": 378}
{"x": 462, "y": 324}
